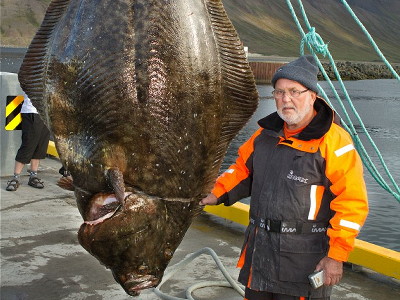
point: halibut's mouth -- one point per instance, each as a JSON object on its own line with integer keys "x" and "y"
{"x": 134, "y": 283}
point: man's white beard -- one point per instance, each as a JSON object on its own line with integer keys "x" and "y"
{"x": 296, "y": 118}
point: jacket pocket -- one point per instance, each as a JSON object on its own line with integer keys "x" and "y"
{"x": 299, "y": 255}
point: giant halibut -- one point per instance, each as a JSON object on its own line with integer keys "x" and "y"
{"x": 143, "y": 98}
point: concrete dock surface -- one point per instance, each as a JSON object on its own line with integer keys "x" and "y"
{"x": 42, "y": 259}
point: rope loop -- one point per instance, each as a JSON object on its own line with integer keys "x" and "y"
{"x": 314, "y": 40}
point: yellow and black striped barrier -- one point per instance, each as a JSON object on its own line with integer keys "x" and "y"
{"x": 13, "y": 112}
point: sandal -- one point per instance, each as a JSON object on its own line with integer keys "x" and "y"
{"x": 12, "y": 185}
{"x": 35, "y": 182}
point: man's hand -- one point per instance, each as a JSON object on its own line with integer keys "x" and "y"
{"x": 211, "y": 199}
{"x": 333, "y": 270}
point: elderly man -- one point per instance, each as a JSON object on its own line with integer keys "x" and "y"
{"x": 308, "y": 195}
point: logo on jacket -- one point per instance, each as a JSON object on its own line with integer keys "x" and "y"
{"x": 288, "y": 230}
{"x": 291, "y": 176}
{"x": 316, "y": 229}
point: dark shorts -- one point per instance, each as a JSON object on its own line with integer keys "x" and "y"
{"x": 255, "y": 295}
{"x": 35, "y": 139}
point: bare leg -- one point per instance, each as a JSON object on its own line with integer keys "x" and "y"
{"x": 35, "y": 165}
{"x": 18, "y": 167}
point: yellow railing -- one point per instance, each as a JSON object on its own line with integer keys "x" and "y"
{"x": 376, "y": 258}
{"x": 51, "y": 149}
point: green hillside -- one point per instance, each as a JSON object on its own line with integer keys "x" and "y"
{"x": 268, "y": 28}
{"x": 19, "y": 21}
{"x": 265, "y": 26}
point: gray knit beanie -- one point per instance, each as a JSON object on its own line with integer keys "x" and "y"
{"x": 303, "y": 70}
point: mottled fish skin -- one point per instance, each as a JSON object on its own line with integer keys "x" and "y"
{"x": 138, "y": 252}
{"x": 140, "y": 96}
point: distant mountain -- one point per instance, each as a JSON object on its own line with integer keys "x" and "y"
{"x": 20, "y": 20}
{"x": 265, "y": 26}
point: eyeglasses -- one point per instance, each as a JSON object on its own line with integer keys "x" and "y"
{"x": 292, "y": 93}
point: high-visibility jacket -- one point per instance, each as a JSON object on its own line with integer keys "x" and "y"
{"x": 312, "y": 181}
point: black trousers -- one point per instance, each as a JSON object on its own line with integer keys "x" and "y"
{"x": 35, "y": 139}
{"x": 262, "y": 295}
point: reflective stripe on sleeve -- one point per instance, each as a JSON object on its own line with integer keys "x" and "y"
{"x": 344, "y": 150}
{"x": 349, "y": 224}
{"x": 229, "y": 171}
{"x": 313, "y": 202}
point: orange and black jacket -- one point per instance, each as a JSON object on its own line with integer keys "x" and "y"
{"x": 308, "y": 200}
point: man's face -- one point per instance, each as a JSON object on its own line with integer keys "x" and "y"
{"x": 298, "y": 111}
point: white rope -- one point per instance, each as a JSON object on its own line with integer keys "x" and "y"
{"x": 183, "y": 263}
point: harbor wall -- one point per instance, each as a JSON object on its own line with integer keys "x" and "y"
{"x": 264, "y": 70}
{"x": 360, "y": 70}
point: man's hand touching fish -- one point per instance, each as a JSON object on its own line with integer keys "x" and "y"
{"x": 211, "y": 199}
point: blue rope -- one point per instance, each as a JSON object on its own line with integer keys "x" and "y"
{"x": 314, "y": 39}
{"x": 377, "y": 50}
{"x": 315, "y": 44}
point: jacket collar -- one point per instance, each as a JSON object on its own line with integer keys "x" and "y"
{"x": 317, "y": 128}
